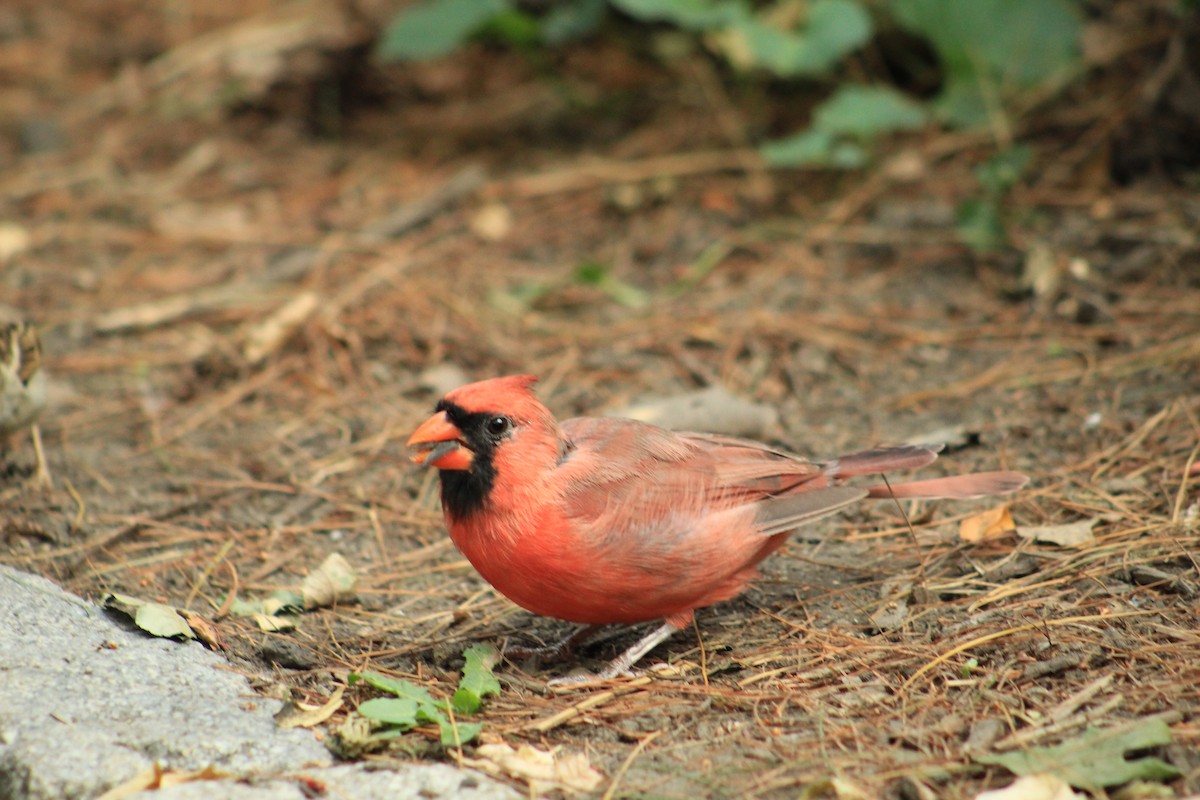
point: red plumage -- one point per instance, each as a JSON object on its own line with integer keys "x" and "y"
{"x": 605, "y": 520}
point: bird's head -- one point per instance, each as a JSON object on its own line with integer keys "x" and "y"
{"x": 482, "y": 431}
{"x": 473, "y": 421}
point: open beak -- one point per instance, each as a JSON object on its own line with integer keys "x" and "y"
{"x": 439, "y": 444}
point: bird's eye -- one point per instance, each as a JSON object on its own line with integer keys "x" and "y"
{"x": 499, "y": 425}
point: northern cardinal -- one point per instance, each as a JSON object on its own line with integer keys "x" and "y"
{"x": 23, "y": 389}
{"x": 605, "y": 520}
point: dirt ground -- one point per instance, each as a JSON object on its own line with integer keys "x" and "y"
{"x": 250, "y": 283}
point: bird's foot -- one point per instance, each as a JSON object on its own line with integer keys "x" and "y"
{"x": 582, "y": 677}
{"x": 548, "y": 652}
{"x": 558, "y": 651}
{"x": 622, "y": 665}
{"x": 579, "y": 677}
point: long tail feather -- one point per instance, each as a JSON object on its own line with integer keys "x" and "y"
{"x": 882, "y": 459}
{"x": 958, "y": 487}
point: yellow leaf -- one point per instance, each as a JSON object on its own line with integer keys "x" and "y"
{"x": 1033, "y": 787}
{"x": 272, "y": 624}
{"x": 171, "y": 778}
{"x": 299, "y": 715}
{"x": 146, "y": 779}
{"x": 543, "y": 770}
{"x": 990, "y": 524}
{"x": 334, "y": 580}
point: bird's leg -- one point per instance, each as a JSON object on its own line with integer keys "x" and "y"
{"x": 557, "y": 651}
{"x": 621, "y": 664}
{"x": 41, "y": 477}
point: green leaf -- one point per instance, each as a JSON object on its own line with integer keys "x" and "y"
{"x": 478, "y": 680}
{"x": 1002, "y": 171}
{"x": 691, "y": 15}
{"x": 847, "y": 155}
{"x": 464, "y": 701}
{"x": 852, "y": 112}
{"x": 155, "y": 619}
{"x": 414, "y": 705}
{"x": 963, "y": 103}
{"x": 866, "y": 111}
{"x": 390, "y": 711}
{"x": 835, "y": 28}
{"x": 813, "y": 148}
{"x": 990, "y": 48}
{"x": 832, "y": 29}
{"x": 591, "y": 273}
{"x": 400, "y": 688}
{"x": 459, "y": 733}
{"x": 435, "y": 28}
{"x": 571, "y": 21}
{"x": 514, "y": 28}
{"x": 980, "y": 225}
{"x": 452, "y": 734}
{"x": 1096, "y": 759}
{"x": 809, "y": 148}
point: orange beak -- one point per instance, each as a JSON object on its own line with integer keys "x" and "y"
{"x": 439, "y": 444}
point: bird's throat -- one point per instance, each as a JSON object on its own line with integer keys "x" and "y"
{"x": 466, "y": 492}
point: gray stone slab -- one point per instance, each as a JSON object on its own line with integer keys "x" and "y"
{"x": 87, "y": 703}
{"x": 416, "y": 782}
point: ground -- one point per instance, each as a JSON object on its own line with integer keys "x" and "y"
{"x": 586, "y": 220}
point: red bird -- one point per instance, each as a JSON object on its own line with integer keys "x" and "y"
{"x": 599, "y": 520}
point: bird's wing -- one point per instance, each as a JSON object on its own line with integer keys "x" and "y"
{"x": 782, "y": 514}
{"x": 626, "y": 475}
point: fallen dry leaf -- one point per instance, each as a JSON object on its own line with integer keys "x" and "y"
{"x": 990, "y": 524}
{"x": 146, "y": 779}
{"x": 155, "y": 619}
{"x": 836, "y": 788}
{"x": 334, "y": 580}
{"x": 155, "y": 777}
{"x": 1032, "y": 787}
{"x": 1072, "y": 534}
{"x": 204, "y": 629}
{"x": 273, "y": 624}
{"x": 543, "y": 770}
{"x": 171, "y": 778}
{"x": 301, "y": 715}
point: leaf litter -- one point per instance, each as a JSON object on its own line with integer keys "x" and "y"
{"x": 335, "y": 580}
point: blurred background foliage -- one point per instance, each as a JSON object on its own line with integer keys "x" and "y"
{"x": 966, "y": 64}
{"x": 880, "y": 67}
